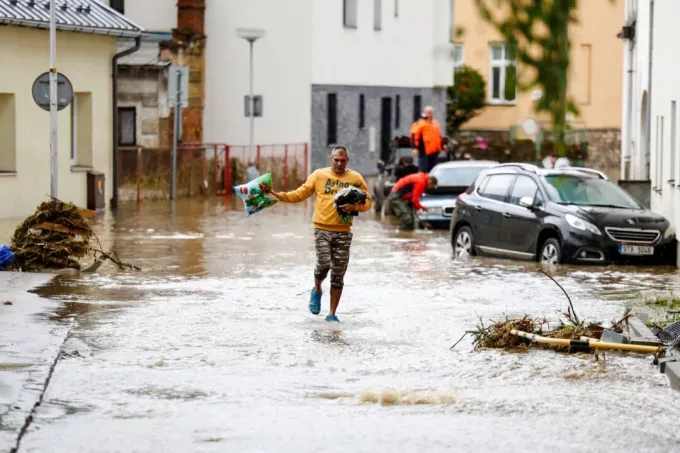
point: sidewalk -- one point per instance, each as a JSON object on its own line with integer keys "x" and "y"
{"x": 29, "y": 346}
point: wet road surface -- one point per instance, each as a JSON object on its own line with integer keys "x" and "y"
{"x": 212, "y": 348}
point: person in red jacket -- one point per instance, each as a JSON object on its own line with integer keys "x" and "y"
{"x": 404, "y": 199}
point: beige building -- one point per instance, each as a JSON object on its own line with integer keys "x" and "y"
{"x": 86, "y": 44}
{"x": 595, "y": 80}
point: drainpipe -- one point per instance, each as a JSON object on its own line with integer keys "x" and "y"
{"x": 626, "y": 132}
{"x": 646, "y": 157}
{"x": 118, "y": 56}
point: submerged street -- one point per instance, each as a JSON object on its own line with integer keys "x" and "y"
{"x": 211, "y": 348}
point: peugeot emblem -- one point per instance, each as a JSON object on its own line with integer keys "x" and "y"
{"x": 631, "y": 221}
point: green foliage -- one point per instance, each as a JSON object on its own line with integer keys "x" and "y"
{"x": 465, "y": 98}
{"x": 541, "y": 24}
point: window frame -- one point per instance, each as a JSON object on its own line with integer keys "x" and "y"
{"x": 118, "y": 5}
{"x": 331, "y": 119}
{"x": 458, "y": 65}
{"x": 505, "y": 200}
{"x": 120, "y": 126}
{"x": 362, "y": 111}
{"x": 514, "y": 184}
{"x": 74, "y": 131}
{"x": 503, "y": 64}
{"x": 417, "y": 107}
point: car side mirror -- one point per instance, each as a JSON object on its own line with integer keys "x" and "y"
{"x": 527, "y": 202}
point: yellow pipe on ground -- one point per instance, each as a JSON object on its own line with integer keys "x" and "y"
{"x": 588, "y": 343}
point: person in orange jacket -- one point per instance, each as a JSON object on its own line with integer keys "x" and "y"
{"x": 405, "y": 197}
{"x": 427, "y": 138}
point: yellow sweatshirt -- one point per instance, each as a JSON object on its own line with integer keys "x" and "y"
{"x": 325, "y": 184}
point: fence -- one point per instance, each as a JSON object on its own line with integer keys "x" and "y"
{"x": 203, "y": 170}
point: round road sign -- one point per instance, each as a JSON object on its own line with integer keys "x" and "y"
{"x": 41, "y": 91}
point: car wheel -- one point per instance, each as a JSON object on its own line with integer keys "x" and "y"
{"x": 551, "y": 252}
{"x": 463, "y": 243}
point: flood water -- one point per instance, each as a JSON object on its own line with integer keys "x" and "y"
{"x": 211, "y": 348}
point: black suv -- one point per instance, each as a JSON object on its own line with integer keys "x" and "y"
{"x": 554, "y": 216}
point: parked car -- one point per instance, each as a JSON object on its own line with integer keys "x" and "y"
{"x": 553, "y": 216}
{"x": 399, "y": 163}
{"x": 453, "y": 178}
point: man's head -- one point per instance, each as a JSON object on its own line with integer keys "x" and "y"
{"x": 553, "y": 158}
{"x": 429, "y": 112}
{"x": 431, "y": 182}
{"x": 339, "y": 159}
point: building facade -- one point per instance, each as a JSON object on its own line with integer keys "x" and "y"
{"x": 594, "y": 81}
{"x": 86, "y": 43}
{"x": 660, "y": 130}
{"x": 347, "y": 72}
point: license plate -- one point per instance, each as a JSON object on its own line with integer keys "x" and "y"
{"x": 636, "y": 250}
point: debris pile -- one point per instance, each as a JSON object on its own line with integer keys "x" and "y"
{"x": 57, "y": 236}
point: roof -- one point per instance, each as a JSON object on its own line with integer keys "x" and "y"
{"x": 85, "y": 16}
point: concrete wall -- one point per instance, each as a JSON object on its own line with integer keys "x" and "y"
{"x": 86, "y": 60}
{"x": 410, "y": 50}
{"x": 594, "y": 76}
{"x": 350, "y": 134}
{"x": 145, "y": 89}
{"x": 282, "y": 67}
{"x": 665, "y": 138}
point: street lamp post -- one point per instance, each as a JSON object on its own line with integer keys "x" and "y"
{"x": 251, "y": 35}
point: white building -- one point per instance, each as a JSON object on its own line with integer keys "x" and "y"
{"x": 651, "y": 147}
{"x": 351, "y": 72}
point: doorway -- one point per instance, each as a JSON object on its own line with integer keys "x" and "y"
{"x": 385, "y": 128}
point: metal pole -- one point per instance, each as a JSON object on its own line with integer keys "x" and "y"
{"x": 54, "y": 150}
{"x": 175, "y": 137}
{"x": 252, "y": 105}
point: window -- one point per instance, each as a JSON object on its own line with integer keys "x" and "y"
{"x": 496, "y": 187}
{"x": 458, "y": 57}
{"x": 377, "y": 14}
{"x": 118, "y": 5}
{"x": 362, "y": 111}
{"x": 81, "y": 130}
{"x": 417, "y": 107}
{"x": 673, "y": 126}
{"x": 396, "y": 8}
{"x": 349, "y": 13}
{"x": 127, "y": 126}
{"x": 397, "y": 112}
{"x": 524, "y": 187}
{"x": 587, "y": 191}
{"x": 332, "y": 119}
{"x": 8, "y": 123}
{"x": 503, "y": 86}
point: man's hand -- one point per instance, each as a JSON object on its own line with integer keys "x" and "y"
{"x": 348, "y": 207}
{"x": 414, "y": 153}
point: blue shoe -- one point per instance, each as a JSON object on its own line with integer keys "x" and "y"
{"x": 315, "y": 302}
{"x": 332, "y": 318}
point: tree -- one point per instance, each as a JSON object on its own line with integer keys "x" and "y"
{"x": 465, "y": 98}
{"x": 539, "y": 32}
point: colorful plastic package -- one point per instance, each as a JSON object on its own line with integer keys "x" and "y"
{"x": 255, "y": 194}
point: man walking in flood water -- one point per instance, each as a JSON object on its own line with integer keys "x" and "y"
{"x": 427, "y": 137}
{"x": 332, "y": 237}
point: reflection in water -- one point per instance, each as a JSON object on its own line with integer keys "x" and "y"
{"x": 213, "y": 340}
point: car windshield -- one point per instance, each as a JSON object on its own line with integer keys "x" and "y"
{"x": 456, "y": 176}
{"x": 588, "y": 191}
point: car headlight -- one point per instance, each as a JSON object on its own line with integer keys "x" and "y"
{"x": 670, "y": 232}
{"x": 581, "y": 224}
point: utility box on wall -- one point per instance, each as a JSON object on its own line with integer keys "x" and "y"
{"x": 96, "y": 200}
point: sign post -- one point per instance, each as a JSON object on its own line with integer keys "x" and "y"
{"x": 178, "y": 97}
{"x": 54, "y": 143}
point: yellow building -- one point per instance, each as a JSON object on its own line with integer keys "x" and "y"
{"x": 595, "y": 80}
{"x": 87, "y": 32}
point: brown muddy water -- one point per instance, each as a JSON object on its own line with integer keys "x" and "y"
{"x": 211, "y": 348}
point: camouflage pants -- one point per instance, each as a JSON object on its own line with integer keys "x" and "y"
{"x": 332, "y": 254}
{"x": 403, "y": 210}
